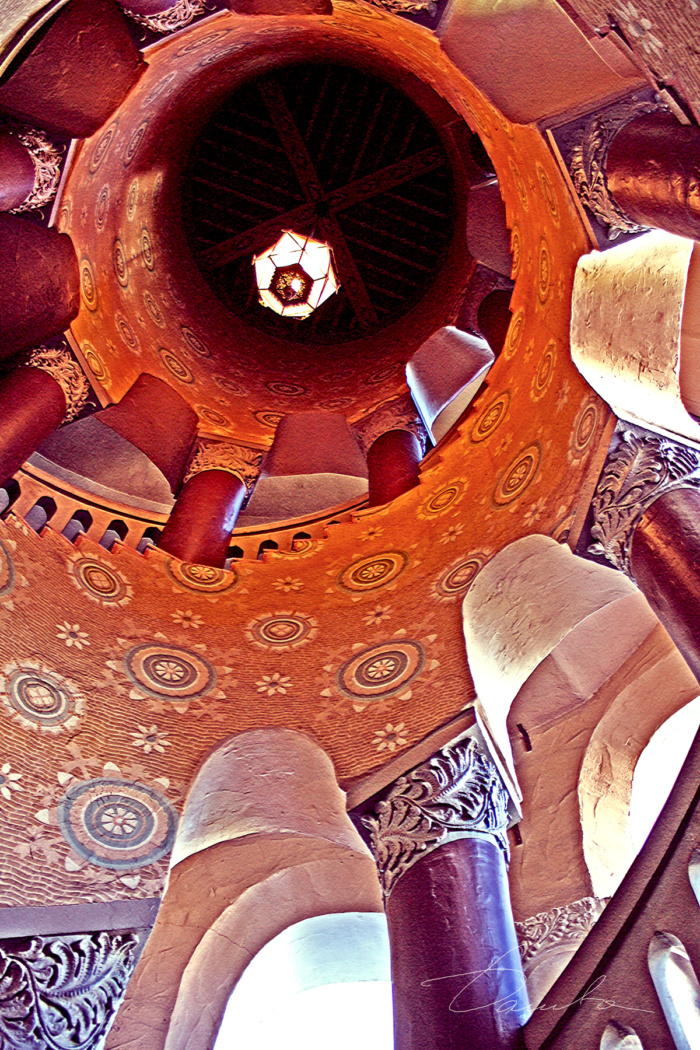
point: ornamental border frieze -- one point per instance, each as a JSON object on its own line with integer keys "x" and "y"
{"x": 457, "y": 793}
{"x": 637, "y": 471}
{"x": 62, "y": 992}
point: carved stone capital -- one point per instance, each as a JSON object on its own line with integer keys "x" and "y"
{"x": 406, "y": 7}
{"x": 220, "y": 455}
{"x": 588, "y": 160}
{"x": 457, "y": 793}
{"x": 176, "y": 17}
{"x": 398, "y": 414}
{"x": 637, "y": 471}
{"x": 62, "y": 992}
{"x": 47, "y": 166}
{"x": 566, "y": 926}
{"x": 68, "y": 374}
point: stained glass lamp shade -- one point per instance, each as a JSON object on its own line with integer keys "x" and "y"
{"x": 295, "y": 275}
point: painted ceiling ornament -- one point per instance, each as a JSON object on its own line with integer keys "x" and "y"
{"x": 457, "y": 793}
{"x": 40, "y": 698}
{"x": 295, "y": 275}
{"x": 637, "y": 471}
{"x": 62, "y": 992}
{"x": 47, "y": 167}
{"x": 99, "y": 581}
{"x": 588, "y": 160}
{"x": 62, "y": 366}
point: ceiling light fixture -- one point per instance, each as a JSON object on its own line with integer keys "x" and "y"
{"x": 295, "y": 275}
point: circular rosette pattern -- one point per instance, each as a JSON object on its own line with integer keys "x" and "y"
{"x": 99, "y": 581}
{"x": 368, "y": 574}
{"x": 381, "y": 671}
{"x": 117, "y": 824}
{"x": 39, "y": 698}
{"x": 458, "y": 578}
{"x": 168, "y": 672}
{"x": 282, "y": 631}
{"x": 203, "y": 578}
{"x": 7, "y": 571}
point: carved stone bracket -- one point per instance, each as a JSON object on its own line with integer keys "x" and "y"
{"x": 47, "y": 167}
{"x": 588, "y": 160}
{"x": 220, "y": 455}
{"x": 176, "y": 17}
{"x": 68, "y": 374}
{"x": 455, "y": 794}
{"x": 637, "y": 471}
{"x": 565, "y": 926}
{"x": 61, "y": 993}
{"x": 398, "y": 414}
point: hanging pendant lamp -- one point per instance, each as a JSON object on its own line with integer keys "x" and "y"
{"x": 295, "y": 275}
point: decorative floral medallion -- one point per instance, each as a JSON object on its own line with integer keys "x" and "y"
{"x": 516, "y": 250}
{"x": 458, "y": 578}
{"x": 227, "y": 383}
{"x": 518, "y": 475}
{"x": 201, "y": 577}
{"x": 119, "y": 262}
{"x": 7, "y": 571}
{"x": 491, "y": 417}
{"x": 286, "y": 389}
{"x": 585, "y": 426}
{"x": 382, "y": 374}
{"x": 199, "y": 42}
{"x": 544, "y": 371}
{"x": 103, "y": 145}
{"x": 175, "y": 366}
{"x": 39, "y": 698}
{"x": 442, "y": 500}
{"x": 368, "y": 574}
{"x": 101, "y": 208}
{"x": 135, "y": 141}
{"x": 544, "y": 270}
{"x": 154, "y": 311}
{"x": 168, "y": 672}
{"x": 126, "y": 332}
{"x": 88, "y": 285}
{"x": 117, "y": 824}
{"x": 548, "y": 193}
{"x": 268, "y": 418}
{"x": 381, "y": 671}
{"x": 194, "y": 342}
{"x": 519, "y": 184}
{"x": 146, "y": 247}
{"x": 100, "y": 582}
{"x": 515, "y": 334}
{"x": 210, "y": 415}
{"x": 95, "y": 363}
{"x": 132, "y": 200}
{"x": 282, "y": 631}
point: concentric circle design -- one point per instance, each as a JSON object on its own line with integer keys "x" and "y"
{"x": 515, "y": 334}
{"x": 168, "y": 672}
{"x": 491, "y": 418}
{"x": 146, "y": 246}
{"x": 95, "y": 363}
{"x": 519, "y": 184}
{"x": 516, "y": 250}
{"x": 7, "y": 571}
{"x": 212, "y": 416}
{"x": 383, "y": 373}
{"x": 544, "y": 371}
{"x": 175, "y": 366}
{"x": 126, "y": 332}
{"x": 39, "y": 698}
{"x": 268, "y": 418}
{"x": 381, "y": 671}
{"x": 456, "y": 581}
{"x": 336, "y": 403}
{"x": 101, "y": 583}
{"x": 117, "y": 824}
{"x": 101, "y": 208}
{"x": 282, "y": 631}
{"x": 227, "y": 383}
{"x": 135, "y": 141}
{"x": 544, "y": 270}
{"x": 132, "y": 200}
{"x": 442, "y": 500}
{"x": 154, "y": 311}
{"x": 88, "y": 285}
{"x": 518, "y": 475}
{"x": 119, "y": 263}
{"x": 159, "y": 89}
{"x": 548, "y": 193}
{"x": 368, "y": 574}
{"x": 103, "y": 145}
{"x": 194, "y": 343}
{"x": 202, "y": 41}
{"x": 584, "y": 428}
{"x": 201, "y": 577}
{"x": 286, "y": 389}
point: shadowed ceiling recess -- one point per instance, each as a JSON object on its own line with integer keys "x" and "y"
{"x": 331, "y": 150}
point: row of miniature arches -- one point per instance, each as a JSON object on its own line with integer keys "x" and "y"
{"x": 40, "y": 514}
{"x": 676, "y": 985}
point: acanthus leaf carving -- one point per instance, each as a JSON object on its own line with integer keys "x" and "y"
{"x": 456, "y": 793}
{"x": 59, "y": 363}
{"x": 176, "y": 17}
{"x": 47, "y": 167}
{"x": 61, "y": 993}
{"x": 240, "y": 460}
{"x": 637, "y": 471}
{"x": 566, "y": 925}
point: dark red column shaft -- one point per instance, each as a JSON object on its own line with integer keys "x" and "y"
{"x": 456, "y": 971}
{"x": 16, "y": 172}
{"x": 32, "y": 406}
{"x": 200, "y": 526}
{"x": 393, "y": 465}
{"x": 39, "y": 284}
{"x": 665, "y": 560}
{"x": 653, "y": 170}
{"x": 494, "y": 317}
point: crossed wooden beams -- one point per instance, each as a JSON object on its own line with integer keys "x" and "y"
{"x": 320, "y": 207}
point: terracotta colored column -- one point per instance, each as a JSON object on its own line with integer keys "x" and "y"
{"x": 39, "y": 284}
{"x": 200, "y": 526}
{"x": 393, "y": 465}
{"x": 16, "y": 172}
{"x": 494, "y": 317}
{"x": 647, "y": 523}
{"x": 32, "y": 406}
{"x": 92, "y": 39}
{"x": 652, "y": 172}
{"x": 456, "y": 972}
